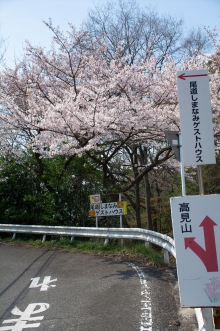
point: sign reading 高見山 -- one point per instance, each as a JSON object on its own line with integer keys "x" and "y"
{"x": 196, "y": 226}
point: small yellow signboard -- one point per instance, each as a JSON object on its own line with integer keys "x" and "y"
{"x": 108, "y": 209}
{"x": 120, "y": 204}
{"x": 92, "y": 213}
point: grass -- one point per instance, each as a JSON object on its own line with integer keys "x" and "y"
{"x": 130, "y": 252}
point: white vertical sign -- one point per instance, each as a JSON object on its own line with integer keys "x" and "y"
{"x": 196, "y": 226}
{"x": 195, "y": 117}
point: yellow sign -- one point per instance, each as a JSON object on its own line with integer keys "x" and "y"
{"x": 92, "y": 213}
{"x": 125, "y": 207}
{"x": 120, "y": 204}
{"x": 123, "y": 204}
{"x": 108, "y": 209}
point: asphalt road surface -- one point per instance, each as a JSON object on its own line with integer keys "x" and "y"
{"x": 45, "y": 290}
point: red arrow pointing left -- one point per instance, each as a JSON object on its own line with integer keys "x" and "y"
{"x": 183, "y": 76}
{"x": 209, "y": 255}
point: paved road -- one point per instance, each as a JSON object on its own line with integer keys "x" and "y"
{"x": 49, "y": 290}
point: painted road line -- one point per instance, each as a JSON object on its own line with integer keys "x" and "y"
{"x": 146, "y": 315}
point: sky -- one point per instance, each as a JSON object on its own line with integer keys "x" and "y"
{"x": 21, "y": 20}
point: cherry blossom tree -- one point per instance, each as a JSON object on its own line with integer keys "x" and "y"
{"x": 73, "y": 100}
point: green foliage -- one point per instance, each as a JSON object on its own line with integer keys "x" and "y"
{"x": 160, "y": 199}
{"x": 160, "y": 205}
{"x": 16, "y": 184}
{"x": 211, "y": 177}
{"x": 46, "y": 192}
{"x": 56, "y": 192}
{"x": 211, "y": 180}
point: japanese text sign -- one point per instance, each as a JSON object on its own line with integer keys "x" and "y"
{"x": 108, "y": 209}
{"x": 196, "y": 226}
{"x": 195, "y": 117}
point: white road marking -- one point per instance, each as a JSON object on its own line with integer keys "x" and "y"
{"x": 46, "y": 283}
{"x": 25, "y": 317}
{"x": 146, "y": 316}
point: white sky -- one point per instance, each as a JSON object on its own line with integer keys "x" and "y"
{"x": 22, "y": 19}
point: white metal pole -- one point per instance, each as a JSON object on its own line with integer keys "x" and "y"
{"x": 207, "y": 313}
{"x": 200, "y": 179}
{"x": 182, "y": 167}
{"x": 207, "y": 319}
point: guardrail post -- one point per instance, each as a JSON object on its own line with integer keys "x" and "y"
{"x": 71, "y": 239}
{"x": 106, "y": 241}
{"x": 14, "y": 235}
{"x": 44, "y": 238}
{"x": 166, "y": 256}
{"x": 147, "y": 244}
{"x": 97, "y": 225}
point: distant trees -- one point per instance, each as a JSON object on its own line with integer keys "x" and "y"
{"x": 2, "y": 47}
{"x": 46, "y": 193}
{"x": 143, "y": 33}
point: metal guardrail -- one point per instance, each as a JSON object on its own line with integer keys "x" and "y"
{"x": 156, "y": 238}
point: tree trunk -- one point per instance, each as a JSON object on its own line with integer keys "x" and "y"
{"x": 143, "y": 154}
{"x": 137, "y": 202}
{"x": 147, "y": 201}
{"x": 137, "y": 191}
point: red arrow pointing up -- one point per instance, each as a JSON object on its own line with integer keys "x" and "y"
{"x": 209, "y": 255}
{"x": 183, "y": 76}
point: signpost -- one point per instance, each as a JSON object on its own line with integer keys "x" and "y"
{"x": 196, "y": 221}
{"x": 195, "y": 117}
{"x": 108, "y": 209}
{"x": 196, "y": 226}
{"x": 98, "y": 209}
